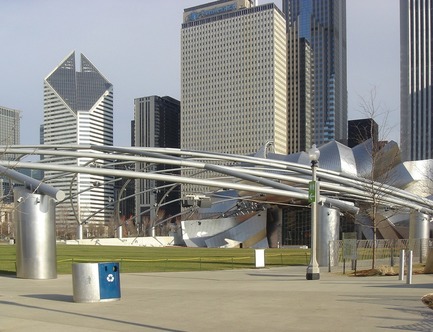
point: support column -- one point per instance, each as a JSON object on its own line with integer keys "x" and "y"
{"x": 328, "y": 230}
{"x": 419, "y": 233}
{"x": 35, "y": 235}
{"x": 79, "y": 231}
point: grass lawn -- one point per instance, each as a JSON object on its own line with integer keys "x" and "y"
{"x": 147, "y": 259}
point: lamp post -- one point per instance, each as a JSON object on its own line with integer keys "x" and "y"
{"x": 313, "y": 272}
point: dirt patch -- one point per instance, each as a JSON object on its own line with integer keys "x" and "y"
{"x": 384, "y": 271}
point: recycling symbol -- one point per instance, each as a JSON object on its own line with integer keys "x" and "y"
{"x": 110, "y": 278}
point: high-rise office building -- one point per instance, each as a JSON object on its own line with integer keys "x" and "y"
{"x": 361, "y": 130}
{"x": 233, "y": 80}
{"x": 322, "y": 23}
{"x": 416, "y": 112}
{"x": 9, "y": 135}
{"x": 78, "y": 109}
{"x": 9, "y": 129}
{"x": 157, "y": 124}
{"x": 300, "y": 92}
{"x": 233, "y": 77}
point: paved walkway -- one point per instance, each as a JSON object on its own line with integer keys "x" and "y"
{"x": 277, "y": 299}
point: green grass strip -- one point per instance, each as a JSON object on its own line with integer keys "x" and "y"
{"x": 150, "y": 259}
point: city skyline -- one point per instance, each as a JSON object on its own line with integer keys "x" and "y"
{"x": 139, "y": 61}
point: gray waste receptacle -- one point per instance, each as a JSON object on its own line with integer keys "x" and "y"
{"x": 96, "y": 282}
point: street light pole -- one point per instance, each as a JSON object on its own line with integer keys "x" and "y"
{"x": 313, "y": 272}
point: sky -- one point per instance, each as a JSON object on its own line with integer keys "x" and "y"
{"x": 135, "y": 44}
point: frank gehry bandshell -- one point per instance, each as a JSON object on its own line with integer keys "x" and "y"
{"x": 362, "y": 189}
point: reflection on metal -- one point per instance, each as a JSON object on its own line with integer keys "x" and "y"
{"x": 35, "y": 235}
{"x": 247, "y": 231}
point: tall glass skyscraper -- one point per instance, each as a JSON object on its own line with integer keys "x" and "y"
{"x": 416, "y": 121}
{"x": 322, "y": 23}
{"x": 300, "y": 92}
{"x": 78, "y": 109}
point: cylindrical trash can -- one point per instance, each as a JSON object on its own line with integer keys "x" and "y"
{"x": 96, "y": 282}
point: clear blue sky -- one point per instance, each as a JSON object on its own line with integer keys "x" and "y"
{"x": 136, "y": 46}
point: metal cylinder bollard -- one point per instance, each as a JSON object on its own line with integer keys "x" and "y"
{"x": 95, "y": 282}
{"x": 409, "y": 267}
{"x": 401, "y": 266}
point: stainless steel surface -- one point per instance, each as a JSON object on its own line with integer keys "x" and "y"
{"x": 85, "y": 282}
{"x": 35, "y": 235}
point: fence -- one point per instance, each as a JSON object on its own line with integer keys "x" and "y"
{"x": 358, "y": 254}
{"x": 272, "y": 259}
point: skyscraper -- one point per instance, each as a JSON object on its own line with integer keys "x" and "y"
{"x": 233, "y": 77}
{"x": 322, "y": 23}
{"x": 157, "y": 124}
{"x": 361, "y": 130}
{"x": 233, "y": 80}
{"x": 78, "y": 109}
{"x": 9, "y": 129}
{"x": 300, "y": 92}
{"x": 9, "y": 135}
{"x": 416, "y": 121}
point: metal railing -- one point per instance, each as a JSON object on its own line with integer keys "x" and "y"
{"x": 358, "y": 254}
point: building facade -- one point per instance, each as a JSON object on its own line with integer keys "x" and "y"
{"x": 300, "y": 92}
{"x": 9, "y": 135}
{"x": 233, "y": 77}
{"x": 233, "y": 80}
{"x": 78, "y": 109}
{"x": 416, "y": 121}
{"x": 322, "y": 23}
{"x": 156, "y": 124}
{"x": 9, "y": 127}
{"x": 361, "y": 130}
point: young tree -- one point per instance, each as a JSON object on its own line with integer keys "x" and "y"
{"x": 378, "y": 157}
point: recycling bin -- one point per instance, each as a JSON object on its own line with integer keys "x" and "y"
{"x": 96, "y": 282}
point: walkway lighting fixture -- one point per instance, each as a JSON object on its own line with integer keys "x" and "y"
{"x": 313, "y": 272}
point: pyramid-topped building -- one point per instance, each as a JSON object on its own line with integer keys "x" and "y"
{"x": 78, "y": 109}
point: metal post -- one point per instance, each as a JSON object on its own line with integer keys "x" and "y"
{"x": 313, "y": 272}
{"x": 401, "y": 266}
{"x": 80, "y": 232}
{"x": 120, "y": 232}
{"x": 409, "y": 267}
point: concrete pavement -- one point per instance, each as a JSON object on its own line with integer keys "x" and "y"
{"x": 277, "y": 299}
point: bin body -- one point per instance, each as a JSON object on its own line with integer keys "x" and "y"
{"x": 95, "y": 282}
{"x": 109, "y": 281}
